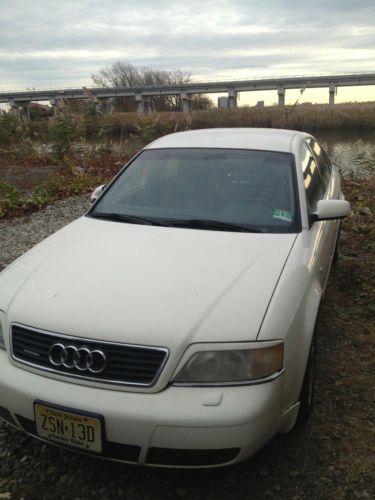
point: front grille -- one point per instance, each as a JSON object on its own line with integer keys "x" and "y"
{"x": 126, "y": 364}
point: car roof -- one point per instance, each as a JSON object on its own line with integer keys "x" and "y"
{"x": 266, "y": 139}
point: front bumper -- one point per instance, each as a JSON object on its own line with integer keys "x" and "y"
{"x": 179, "y": 426}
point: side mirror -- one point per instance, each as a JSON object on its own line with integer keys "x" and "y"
{"x": 97, "y": 192}
{"x": 331, "y": 209}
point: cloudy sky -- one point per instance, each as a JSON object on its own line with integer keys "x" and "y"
{"x": 49, "y": 43}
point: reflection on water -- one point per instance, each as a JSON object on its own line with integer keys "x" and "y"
{"x": 353, "y": 153}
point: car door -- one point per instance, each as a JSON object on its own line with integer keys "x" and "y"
{"x": 315, "y": 190}
{"x": 331, "y": 181}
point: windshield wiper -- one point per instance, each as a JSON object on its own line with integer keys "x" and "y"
{"x": 189, "y": 223}
{"x": 132, "y": 219}
{"x": 214, "y": 224}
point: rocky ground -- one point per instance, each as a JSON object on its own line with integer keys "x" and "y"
{"x": 332, "y": 457}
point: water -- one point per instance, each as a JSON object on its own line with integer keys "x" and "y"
{"x": 352, "y": 153}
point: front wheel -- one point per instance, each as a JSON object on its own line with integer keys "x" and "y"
{"x": 308, "y": 386}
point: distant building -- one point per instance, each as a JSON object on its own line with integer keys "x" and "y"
{"x": 222, "y": 102}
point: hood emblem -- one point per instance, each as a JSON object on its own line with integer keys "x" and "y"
{"x": 80, "y": 358}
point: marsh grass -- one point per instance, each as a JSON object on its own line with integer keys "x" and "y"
{"x": 92, "y": 147}
{"x": 309, "y": 118}
{"x": 66, "y": 127}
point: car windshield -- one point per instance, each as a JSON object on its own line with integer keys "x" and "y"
{"x": 218, "y": 189}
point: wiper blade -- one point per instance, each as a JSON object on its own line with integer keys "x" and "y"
{"x": 214, "y": 224}
{"x": 189, "y": 223}
{"x": 133, "y": 219}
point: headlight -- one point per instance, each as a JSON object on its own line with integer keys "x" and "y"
{"x": 234, "y": 366}
{"x": 2, "y": 344}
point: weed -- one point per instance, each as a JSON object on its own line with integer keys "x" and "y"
{"x": 8, "y": 129}
{"x": 62, "y": 133}
{"x": 9, "y": 198}
{"x": 25, "y": 150}
{"x": 91, "y": 120}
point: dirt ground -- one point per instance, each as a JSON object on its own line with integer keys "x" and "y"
{"x": 24, "y": 178}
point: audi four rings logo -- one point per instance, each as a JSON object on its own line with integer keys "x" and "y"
{"x": 80, "y": 358}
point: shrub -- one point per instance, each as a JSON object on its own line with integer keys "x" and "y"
{"x": 10, "y": 129}
{"x": 62, "y": 132}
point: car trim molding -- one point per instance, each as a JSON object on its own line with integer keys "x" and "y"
{"x": 258, "y": 381}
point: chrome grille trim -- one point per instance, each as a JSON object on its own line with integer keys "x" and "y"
{"x": 158, "y": 352}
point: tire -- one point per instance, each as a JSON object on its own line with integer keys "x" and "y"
{"x": 308, "y": 387}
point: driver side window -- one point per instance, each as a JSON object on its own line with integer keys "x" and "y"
{"x": 313, "y": 183}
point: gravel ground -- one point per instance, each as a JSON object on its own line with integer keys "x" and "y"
{"x": 19, "y": 234}
{"x": 330, "y": 458}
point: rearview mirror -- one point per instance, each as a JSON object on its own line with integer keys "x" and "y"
{"x": 331, "y": 209}
{"x": 97, "y": 192}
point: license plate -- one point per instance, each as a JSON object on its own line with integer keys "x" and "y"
{"x": 68, "y": 428}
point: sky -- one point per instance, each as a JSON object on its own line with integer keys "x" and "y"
{"x": 59, "y": 44}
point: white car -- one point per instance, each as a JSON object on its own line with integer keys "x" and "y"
{"x": 173, "y": 324}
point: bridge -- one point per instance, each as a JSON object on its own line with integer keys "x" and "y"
{"x": 142, "y": 95}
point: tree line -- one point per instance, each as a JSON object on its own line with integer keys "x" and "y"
{"x": 123, "y": 74}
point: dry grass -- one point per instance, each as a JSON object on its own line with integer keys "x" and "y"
{"x": 305, "y": 117}
{"x": 123, "y": 125}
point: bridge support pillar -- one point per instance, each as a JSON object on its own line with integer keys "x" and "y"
{"x": 21, "y": 109}
{"x": 143, "y": 104}
{"x": 102, "y": 105}
{"x": 58, "y": 103}
{"x": 13, "y": 104}
{"x": 281, "y": 94}
{"x": 108, "y": 104}
{"x": 186, "y": 103}
{"x": 332, "y": 93}
{"x": 232, "y": 98}
{"x": 54, "y": 101}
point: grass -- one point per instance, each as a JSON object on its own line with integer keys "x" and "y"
{"x": 309, "y": 118}
{"x": 81, "y": 173}
{"x": 75, "y": 127}
{"x": 67, "y": 140}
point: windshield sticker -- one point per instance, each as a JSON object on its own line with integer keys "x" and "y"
{"x": 283, "y": 215}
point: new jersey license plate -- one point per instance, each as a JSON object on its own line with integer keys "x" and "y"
{"x": 68, "y": 428}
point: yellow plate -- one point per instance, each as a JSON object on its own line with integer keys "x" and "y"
{"x": 67, "y": 428}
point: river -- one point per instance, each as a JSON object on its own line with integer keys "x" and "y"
{"x": 353, "y": 153}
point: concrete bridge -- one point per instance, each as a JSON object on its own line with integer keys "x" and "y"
{"x": 142, "y": 95}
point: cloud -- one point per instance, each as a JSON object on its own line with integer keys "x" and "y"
{"x": 63, "y": 43}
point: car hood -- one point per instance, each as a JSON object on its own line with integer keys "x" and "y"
{"x": 146, "y": 284}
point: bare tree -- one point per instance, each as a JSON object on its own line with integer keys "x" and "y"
{"x": 124, "y": 74}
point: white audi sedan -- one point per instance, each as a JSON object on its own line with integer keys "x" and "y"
{"x": 174, "y": 323}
